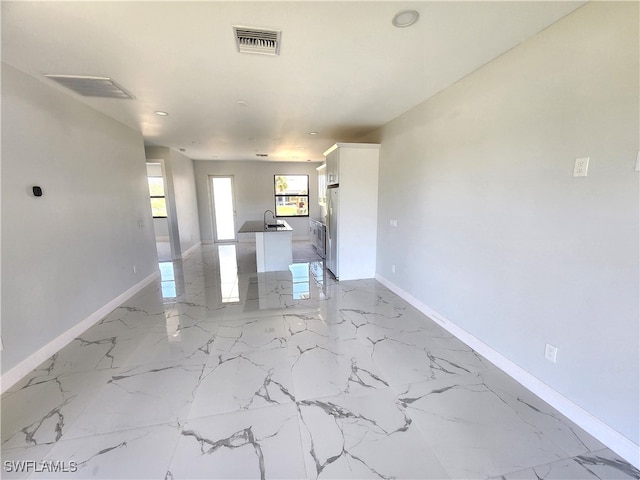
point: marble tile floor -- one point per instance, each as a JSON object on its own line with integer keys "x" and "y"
{"x": 216, "y": 371}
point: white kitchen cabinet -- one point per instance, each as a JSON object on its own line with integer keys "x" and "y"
{"x": 322, "y": 184}
{"x": 333, "y": 172}
{"x": 352, "y": 214}
{"x": 317, "y": 234}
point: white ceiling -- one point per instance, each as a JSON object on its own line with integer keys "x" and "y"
{"x": 343, "y": 68}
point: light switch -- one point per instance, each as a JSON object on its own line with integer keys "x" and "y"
{"x": 581, "y": 167}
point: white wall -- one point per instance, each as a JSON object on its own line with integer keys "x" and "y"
{"x": 253, "y": 182}
{"x": 495, "y": 235}
{"x": 180, "y": 191}
{"x": 67, "y": 254}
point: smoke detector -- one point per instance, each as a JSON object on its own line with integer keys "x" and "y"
{"x": 89, "y": 86}
{"x": 257, "y": 40}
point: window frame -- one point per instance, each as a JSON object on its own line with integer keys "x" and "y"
{"x": 284, "y": 195}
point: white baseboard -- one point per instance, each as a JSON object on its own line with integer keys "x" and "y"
{"x": 25, "y": 367}
{"x": 592, "y": 425}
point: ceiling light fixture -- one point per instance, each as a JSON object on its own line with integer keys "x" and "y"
{"x": 313, "y": 133}
{"x": 161, "y": 113}
{"x": 405, "y": 18}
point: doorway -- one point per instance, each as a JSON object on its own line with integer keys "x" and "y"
{"x": 224, "y": 209}
{"x": 158, "y": 197}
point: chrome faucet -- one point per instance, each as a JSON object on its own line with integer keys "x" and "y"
{"x": 264, "y": 217}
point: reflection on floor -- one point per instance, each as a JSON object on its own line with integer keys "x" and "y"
{"x": 164, "y": 251}
{"x": 215, "y": 371}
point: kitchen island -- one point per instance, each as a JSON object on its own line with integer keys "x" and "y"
{"x": 274, "y": 250}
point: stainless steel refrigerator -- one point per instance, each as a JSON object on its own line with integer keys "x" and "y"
{"x": 333, "y": 210}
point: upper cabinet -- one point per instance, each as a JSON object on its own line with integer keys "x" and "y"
{"x": 322, "y": 184}
{"x": 333, "y": 165}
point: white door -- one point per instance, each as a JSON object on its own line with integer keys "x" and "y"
{"x": 224, "y": 210}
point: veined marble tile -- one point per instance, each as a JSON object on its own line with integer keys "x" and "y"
{"x": 138, "y": 453}
{"x": 556, "y": 427}
{"x": 415, "y": 356}
{"x": 606, "y": 464}
{"x": 139, "y": 397}
{"x": 244, "y": 380}
{"x": 175, "y": 343}
{"x": 599, "y": 465}
{"x": 106, "y": 345}
{"x": 329, "y": 367}
{"x": 193, "y": 311}
{"x": 21, "y": 462}
{"x": 145, "y": 304}
{"x": 236, "y": 374}
{"x": 41, "y": 409}
{"x": 308, "y": 329}
{"x": 258, "y": 443}
{"x": 474, "y": 431}
{"x": 242, "y": 335}
{"x": 364, "y": 436}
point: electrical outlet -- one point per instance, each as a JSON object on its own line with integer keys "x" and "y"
{"x": 551, "y": 352}
{"x": 581, "y": 167}
{"x": 393, "y": 222}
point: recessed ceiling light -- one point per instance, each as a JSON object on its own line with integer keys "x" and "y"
{"x": 301, "y": 148}
{"x": 405, "y": 18}
{"x": 161, "y": 113}
{"x": 313, "y": 133}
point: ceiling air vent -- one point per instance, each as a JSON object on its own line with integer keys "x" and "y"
{"x": 257, "y": 40}
{"x": 87, "y": 86}
{"x": 262, "y": 155}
